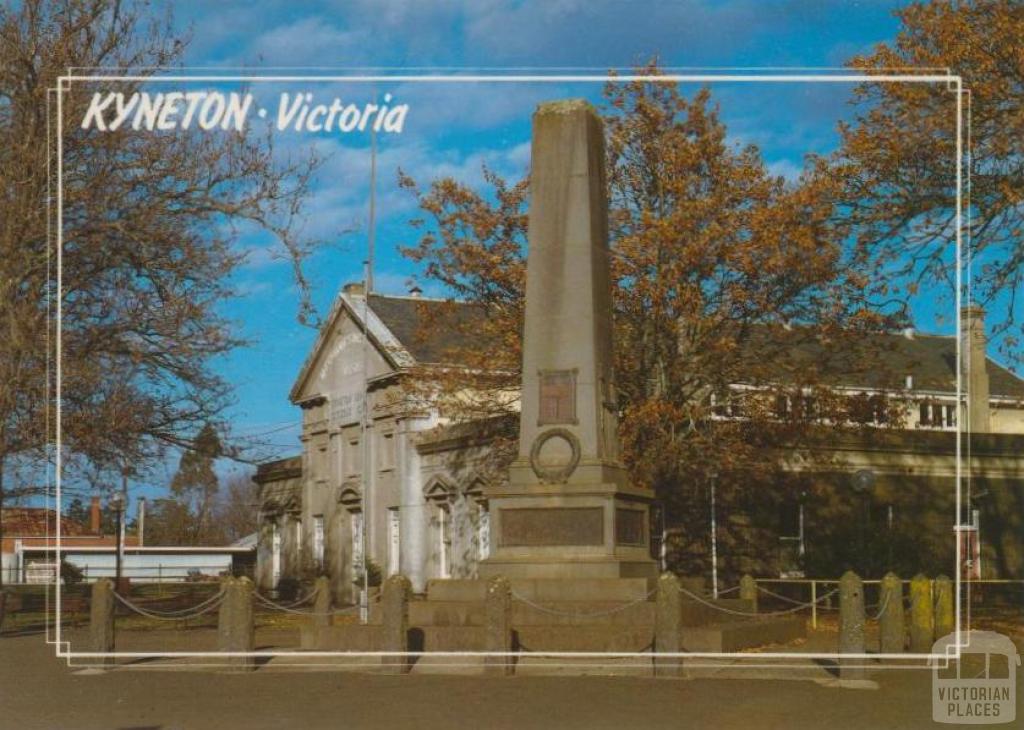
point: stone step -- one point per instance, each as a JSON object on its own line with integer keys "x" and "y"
{"x": 345, "y": 637}
{"x": 546, "y": 589}
{"x": 539, "y": 639}
{"x": 710, "y": 610}
{"x": 446, "y": 613}
{"x": 540, "y": 612}
{"x": 446, "y": 638}
{"x": 743, "y": 634}
{"x": 583, "y": 613}
{"x": 547, "y": 613}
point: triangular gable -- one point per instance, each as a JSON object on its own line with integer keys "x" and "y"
{"x": 382, "y": 339}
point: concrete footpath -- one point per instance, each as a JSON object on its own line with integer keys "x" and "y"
{"x": 39, "y": 691}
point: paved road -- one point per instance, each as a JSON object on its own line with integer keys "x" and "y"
{"x": 39, "y": 691}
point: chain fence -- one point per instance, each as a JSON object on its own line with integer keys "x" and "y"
{"x": 736, "y": 612}
{"x": 582, "y": 614}
{"x": 179, "y": 615}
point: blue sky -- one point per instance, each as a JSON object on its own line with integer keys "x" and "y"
{"x": 452, "y": 130}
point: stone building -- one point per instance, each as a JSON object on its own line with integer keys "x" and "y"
{"x": 401, "y": 486}
{"x": 409, "y": 490}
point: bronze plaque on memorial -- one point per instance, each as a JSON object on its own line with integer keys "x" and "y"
{"x": 629, "y": 527}
{"x": 557, "y": 397}
{"x": 530, "y": 527}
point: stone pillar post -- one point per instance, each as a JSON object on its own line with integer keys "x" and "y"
{"x": 224, "y": 614}
{"x": 922, "y": 621}
{"x": 851, "y": 625}
{"x": 236, "y": 631}
{"x": 668, "y": 618}
{"x": 395, "y": 609}
{"x": 322, "y": 603}
{"x": 890, "y": 619}
{"x": 748, "y": 590}
{"x": 944, "y": 617}
{"x": 101, "y": 618}
{"x": 245, "y": 623}
{"x": 498, "y": 626}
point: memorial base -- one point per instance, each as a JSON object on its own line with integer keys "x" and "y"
{"x": 579, "y": 529}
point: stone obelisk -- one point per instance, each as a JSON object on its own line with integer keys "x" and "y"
{"x": 568, "y": 509}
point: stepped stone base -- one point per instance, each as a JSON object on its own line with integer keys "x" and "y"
{"x": 578, "y": 614}
{"x": 743, "y": 634}
{"x": 568, "y": 570}
{"x": 542, "y": 589}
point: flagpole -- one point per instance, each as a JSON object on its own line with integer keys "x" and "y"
{"x": 365, "y": 445}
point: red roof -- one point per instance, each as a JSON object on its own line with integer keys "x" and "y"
{"x": 37, "y": 522}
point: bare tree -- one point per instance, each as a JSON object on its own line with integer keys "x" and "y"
{"x": 149, "y": 241}
{"x": 237, "y": 507}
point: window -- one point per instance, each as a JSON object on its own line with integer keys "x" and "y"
{"x": 483, "y": 534}
{"x": 806, "y": 407}
{"x": 318, "y": 540}
{"x": 353, "y": 456}
{"x": 394, "y": 541}
{"x": 937, "y": 415}
{"x": 444, "y": 547}
{"x": 320, "y": 462}
{"x": 356, "y": 528}
{"x": 386, "y": 456}
{"x": 790, "y": 518}
{"x": 782, "y": 406}
{"x": 727, "y": 404}
{"x": 275, "y": 554}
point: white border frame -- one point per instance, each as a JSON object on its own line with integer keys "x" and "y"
{"x": 954, "y": 83}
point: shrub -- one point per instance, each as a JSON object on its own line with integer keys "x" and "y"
{"x": 288, "y": 589}
{"x": 373, "y": 575}
{"x": 70, "y": 573}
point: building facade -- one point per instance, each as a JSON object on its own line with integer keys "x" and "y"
{"x": 403, "y": 492}
{"x": 397, "y": 491}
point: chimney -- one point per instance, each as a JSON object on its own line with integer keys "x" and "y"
{"x": 972, "y": 327}
{"x": 94, "y": 516}
{"x": 353, "y": 288}
{"x": 140, "y": 530}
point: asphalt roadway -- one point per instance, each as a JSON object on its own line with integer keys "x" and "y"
{"x": 37, "y": 690}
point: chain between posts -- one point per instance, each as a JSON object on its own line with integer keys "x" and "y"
{"x": 582, "y": 614}
{"x": 304, "y": 599}
{"x": 882, "y": 606}
{"x": 723, "y": 609}
{"x": 793, "y": 601}
{"x": 182, "y": 615}
{"x": 291, "y": 607}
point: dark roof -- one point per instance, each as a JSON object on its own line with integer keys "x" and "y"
{"x": 271, "y": 471}
{"x": 876, "y": 360}
{"x": 430, "y": 329}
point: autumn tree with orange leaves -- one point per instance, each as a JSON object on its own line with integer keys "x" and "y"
{"x": 898, "y": 158}
{"x": 721, "y": 272}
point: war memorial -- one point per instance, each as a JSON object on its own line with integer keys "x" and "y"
{"x": 569, "y": 567}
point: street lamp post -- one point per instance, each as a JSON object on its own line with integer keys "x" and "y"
{"x": 117, "y": 501}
